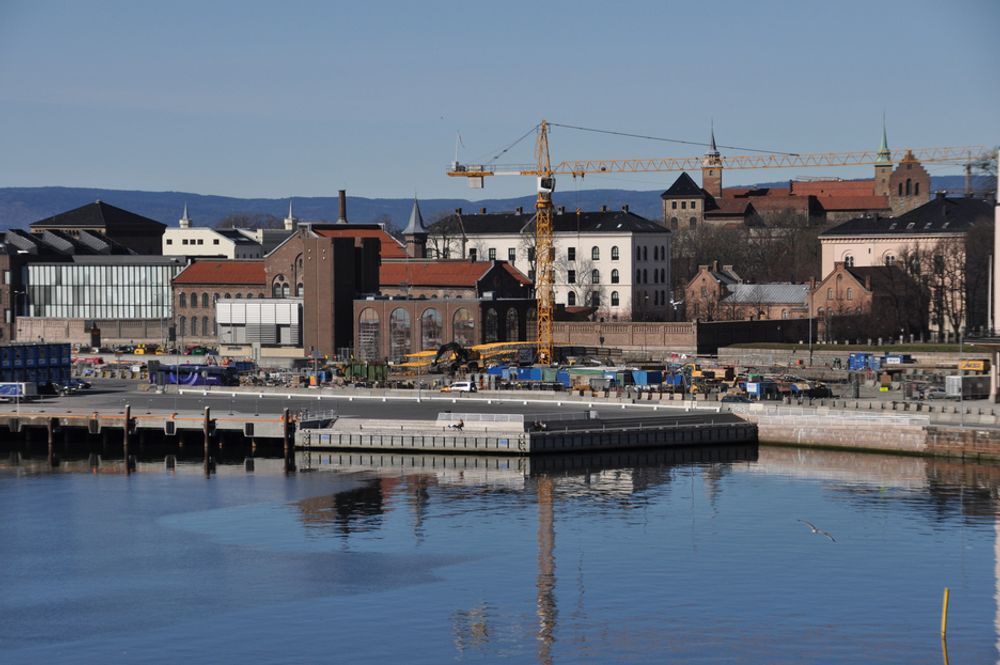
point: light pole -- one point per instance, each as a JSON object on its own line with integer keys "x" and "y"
{"x": 810, "y": 327}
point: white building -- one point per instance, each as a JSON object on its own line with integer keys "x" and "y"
{"x": 270, "y": 321}
{"x": 614, "y": 261}
{"x": 188, "y": 240}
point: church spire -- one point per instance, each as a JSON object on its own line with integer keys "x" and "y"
{"x": 884, "y": 156}
{"x": 290, "y": 220}
{"x": 713, "y": 151}
{"x": 416, "y": 224}
{"x": 185, "y": 221}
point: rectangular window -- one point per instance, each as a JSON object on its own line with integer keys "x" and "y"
{"x": 829, "y": 294}
{"x": 684, "y": 205}
{"x": 531, "y": 253}
{"x": 571, "y": 253}
{"x": 571, "y": 276}
{"x": 694, "y": 204}
{"x": 673, "y": 204}
{"x": 511, "y": 254}
{"x": 201, "y": 241}
{"x": 472, "y": 253}
{"x": 170, "y": 241}
{"x": 184, "y": 241}
{"x": 215, "y": 241}
{"x": 493, "y": 254}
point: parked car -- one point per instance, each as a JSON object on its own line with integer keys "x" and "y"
{"x": 460, "y": 387}
{"x": 78, "y": 384}
{"x": 935, "y": 393}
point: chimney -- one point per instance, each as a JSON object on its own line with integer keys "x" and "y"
{"x": 790, "y": 187}
{"x": 715, "y": 265}
{"x": 482, "y": 211}
{"x": 343, "y": 207}
{"x": 562, "y": 209}
{"x": 625, "y": 208}
{"x": 604, "y": 208}
{"x": 458, "y": 211}
{"x": 940, "y": 194}
{"x": 520, "y": 210}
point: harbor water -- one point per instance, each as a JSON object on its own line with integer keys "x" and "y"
{"x": 694, "y": 557}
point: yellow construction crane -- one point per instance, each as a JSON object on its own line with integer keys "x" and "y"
{"x": 545, "y": 173}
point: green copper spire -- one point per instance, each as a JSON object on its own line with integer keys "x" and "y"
{"x": 884, "y": 156}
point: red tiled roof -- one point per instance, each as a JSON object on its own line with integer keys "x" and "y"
{"x": 825, "y": 188}
{"x": 390, "y": 247}
{"x": 250, "y": 273}
{"x": 433, "y": 273}
{"x": 773, "y": 203}
{"x": 729, "y": 207}
{"x": 869, "y": 202}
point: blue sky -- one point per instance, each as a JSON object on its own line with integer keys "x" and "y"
{"x": 304, "y": 98}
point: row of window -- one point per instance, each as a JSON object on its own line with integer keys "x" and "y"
{"x": 850, "y": 293}
{"x": 659, "y": 276}
{"x": 192, "y": 241}
{"x": 642, "y": 253}
{"x": 674, "y": 224}
{"x": 684, "y": 205}
{"x": 183, "y": 298}
{"x": 207, "y": 327}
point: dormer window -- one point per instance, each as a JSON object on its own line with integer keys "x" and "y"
{"x": 910, "y": 225}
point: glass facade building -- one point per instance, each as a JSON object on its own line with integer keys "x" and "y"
{"x": 139, "y": 289}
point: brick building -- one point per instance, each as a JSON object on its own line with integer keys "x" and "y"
{"x": 198, "y": 288}
{"x": 718, "y": 294}
{"x": 854, "y": 302}
{"x": 450, "y": 279}
{"x": 389, "y": 328}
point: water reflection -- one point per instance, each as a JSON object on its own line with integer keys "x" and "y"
{"x": 604, "y": 558}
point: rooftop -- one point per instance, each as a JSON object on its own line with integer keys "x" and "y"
{"x": 939, "y": 216}
{"x": 98, "y": 215}
{"x": 250, "y": 273}
{"x": 390, "y": 248}
{"x": 773, "y": 293}
{"x": 442, "y": 273}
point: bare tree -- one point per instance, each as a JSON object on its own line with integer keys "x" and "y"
{"x": 250, "y": 220}
{"x": 446, "y": 237}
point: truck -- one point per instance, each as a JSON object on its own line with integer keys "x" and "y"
{"x": 967, "y": 387}
{"x": 17, "y": 390}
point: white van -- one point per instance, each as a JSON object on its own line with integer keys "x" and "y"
{"x": 460, "y": 387}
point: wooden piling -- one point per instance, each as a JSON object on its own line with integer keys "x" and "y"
{"x": 125, "y": 438}
{"x": 289, "y": 448}
{"x": 51, "y": 431}
{"x": 206, "y": 431}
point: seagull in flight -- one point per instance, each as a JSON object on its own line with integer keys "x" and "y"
{"x": 817, "y": 530}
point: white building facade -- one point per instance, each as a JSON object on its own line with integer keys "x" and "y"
{"x": 188, "y": 240}
{"x": 614, "y": 261}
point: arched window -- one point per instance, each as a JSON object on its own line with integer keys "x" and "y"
{"x": 205, "y": 330}
{"x": 614, "y": 276}
{"x": 491, "y": 325}
{"x": 204, "y": 300}
{"x": 249, "y": 296}
{"x": 638, "y": 276}
{"x": 182, "y": 326}
{"x": 512, "y": 322}
{"x": 194, "y": 299}
{"x": 182, "y": 300}
{"x": 890, "y": 260}
{"x": 369, "y": 332}
{"x": 614, "y": 253}
{"x": 463, "y": 327}
{"x": 239, "y": 296}
{"x": 916, "y": 189}
{"x": 784, "y": 313}
{"x": 571, "y": 299}
{"x": 615, "y": 299}
{"x": 595, "y": 253}
{"x": 400, "y": 333}
{"x": 645, "y": 253}
{"x": 431, "y": 327}
{"x": 276, "y": 286}
{"x": 908, "y": 186}
{"x": 850, "y": 293}
{"x": 645, "y": 276}
{"x": 194, "y": 326}
{"x": 848, "y": 261}
{"x": 673, "y": 223}
{"x": 693, "y": 222}
{"x": 215, "y": 297}
{"x": 595, "y": 276}
{"x": 229, "y": 296}
{"x": 300, "y": 289}
{"x": 663, "y": 275}
{"x": 595, "y": 299}
{"x": 900, "y": 189}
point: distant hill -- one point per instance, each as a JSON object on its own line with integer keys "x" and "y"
{"x": 19, "y": 206}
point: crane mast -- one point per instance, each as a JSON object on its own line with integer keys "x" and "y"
{"x": 544, "y": 252}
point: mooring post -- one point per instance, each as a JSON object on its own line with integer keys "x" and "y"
{"x": 944, "y": 615}
{"x": 125, "y": 437}
{"x": 205, "y": 430}
{"x": 52, "y": 452}
{"x": 288, "y": 447}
